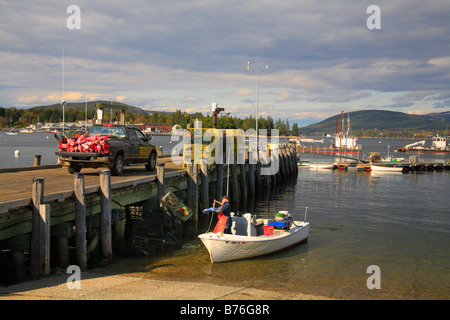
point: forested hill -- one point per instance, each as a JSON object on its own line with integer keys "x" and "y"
{"x": 91, "y": 106}
{"x": 379, "y": 120}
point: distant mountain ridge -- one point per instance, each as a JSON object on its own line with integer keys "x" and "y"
{"x": 359, "y": 120}
{"x": 91, "y": 106}
{"x": 382, "y": 120}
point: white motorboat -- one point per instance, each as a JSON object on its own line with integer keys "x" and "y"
{"x": 387, "y": 168}
{"x": 253, "y": 237}
{"x": 303, "y": 163}
{"x": 322, "y": 165}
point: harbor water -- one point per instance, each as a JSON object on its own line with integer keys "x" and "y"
{"x": 30, "y": 144}
{"x": 398, "y": 222}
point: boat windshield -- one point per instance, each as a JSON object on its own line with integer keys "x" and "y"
{"x": 115, "y": 132}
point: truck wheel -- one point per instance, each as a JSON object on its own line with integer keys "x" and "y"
{"x": 151, "y": 165}
{"x": 117, "y": 169}
{"x": 74, "y": 167}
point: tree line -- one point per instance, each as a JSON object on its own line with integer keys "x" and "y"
{"x": 20, "y": 118}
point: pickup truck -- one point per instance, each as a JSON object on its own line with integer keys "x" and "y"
{"x": 108, "y": 145}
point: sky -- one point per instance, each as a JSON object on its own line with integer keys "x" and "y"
{"x": 166, "y": 55}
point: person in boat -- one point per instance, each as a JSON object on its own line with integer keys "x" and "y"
{"x": 224, "y": 216}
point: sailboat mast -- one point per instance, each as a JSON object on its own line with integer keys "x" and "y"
{"x": 340, "y": 135}
{"x": 63, "y": 102}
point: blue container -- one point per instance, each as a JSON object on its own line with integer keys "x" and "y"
{"x": 280, "y": 224}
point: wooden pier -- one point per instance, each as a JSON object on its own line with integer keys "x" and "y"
{"x": 52, "y": 218}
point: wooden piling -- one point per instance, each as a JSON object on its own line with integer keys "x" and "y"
{"x": 17, "y": 246}
{"x": 37, "y": 160}
{"x": 234, "y": 187}
{"x": 282, "y": 169}
{"x": 192, "y": 191}
{"x": 44, "y": 251}
{"x": 18, "y": 266}
{"x": 105, "y": 214}
{"x": 219, "y": 182}
{"x": 243, "y": 181}
{"x": 251, "y": 178}
{"x": 295, "y": 159}
{"x": 289, "y": 161}
{"x": 205, "y": 184}
{"x": 80, "y": 220}
{"x": 286, "y": 163}
{"x": 60, "y": 233}
{"x": 258, "y": 173}
{"x": 160, "y": 181}
{"x": 37, "y": 197}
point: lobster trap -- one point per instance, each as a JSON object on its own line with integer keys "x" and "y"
{"x": 176, "y": 206}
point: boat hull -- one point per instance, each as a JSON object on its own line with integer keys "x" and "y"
{"x": 387, "y": 168}
{"x": 321, "y": 165}
{"x": 234, "y": 247}
{"x": 423, "y": 150}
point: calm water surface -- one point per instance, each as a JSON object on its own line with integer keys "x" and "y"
{"x": 399, "y": 222}
{"x": 44, "y": 144}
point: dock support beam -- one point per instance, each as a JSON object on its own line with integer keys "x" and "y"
{"x": 35, "y": 245}
{"x": 80, "y": 220}
{"x": 205, "y": 184}
{"x": 160, "y": 180}
{"x": 44, "y": 212}
{"x": 192, "y": 191}
{"x": 219, "y": 182}
{"x": 105, "y": 215}
{"x": 234, "y": 187}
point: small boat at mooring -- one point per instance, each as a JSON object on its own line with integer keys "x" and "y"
{"x": 387, "y": 168}
{"x": 322, "y": 165}
{"x": 255, "y": 237}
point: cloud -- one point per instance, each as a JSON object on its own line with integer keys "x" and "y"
{"x": 243, "y": 93}
{"x": 191, "y": 53}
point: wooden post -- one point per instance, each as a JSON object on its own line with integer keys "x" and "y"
{"x": 80, "y": 220}
{"x": 160, "y": 180}
{"x": 17, "y": 245}
{"x": 277, "y": 176}
{"x": 294, "y": 158}
{"x": 60, "y": 233}
{"x": 105, "y": 214}
{"x": 289, "y": 160}
{"x": 234, "y": 192}
{"x": 44, "y": 212}
{"x": 286, "y": 163}
{"x": 257, "y": 172}
{"x": 274, "y": 165}
{"x": 219, "y": 182}
{"x": 37, "y": 160}
{"x": 37, "y": 197}
{"x": 266, "y": 181}
{"x": 18, "y": 266}
{"x": 282, "y": 168}
{"x": 119, "y": 231}
{"x": 251, "y": 179}
{"x": 243, "y": 183}
{"x": 192, "y": 191}
{"x": 205, "y": 183}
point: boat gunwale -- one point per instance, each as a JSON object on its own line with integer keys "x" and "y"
{"x": 261, "y": 238}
